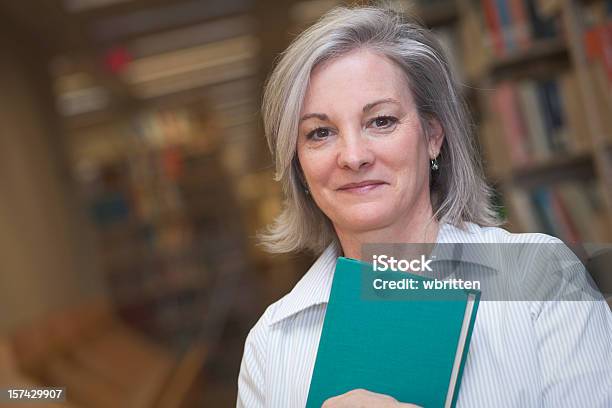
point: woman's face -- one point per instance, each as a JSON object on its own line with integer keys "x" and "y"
{"x": 361, "y": 145}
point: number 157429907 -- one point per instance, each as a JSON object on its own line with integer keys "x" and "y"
{"x": 46, "y": 393}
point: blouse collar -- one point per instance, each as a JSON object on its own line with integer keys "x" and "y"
{"x": 315, "y": 286}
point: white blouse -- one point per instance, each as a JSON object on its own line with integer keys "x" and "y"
{"x": 522, "y": 353}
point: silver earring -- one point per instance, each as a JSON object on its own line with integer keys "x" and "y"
{"x": 434, "y": 164}
{"x": 307, "y": 191}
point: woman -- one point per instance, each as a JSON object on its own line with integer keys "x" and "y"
{"x": 372, "y": 144}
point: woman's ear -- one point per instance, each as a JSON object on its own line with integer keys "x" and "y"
{"x": 435, "y": 136}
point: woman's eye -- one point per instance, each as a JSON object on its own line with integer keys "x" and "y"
{"x": 384, "y": 122}
{"x": 318, "y": 133}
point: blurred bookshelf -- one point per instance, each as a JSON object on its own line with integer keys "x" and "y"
{"x": 537, "y": 77}
{"x": 163, "y": 142}
{"x": 542, "y": 109}
{"x": 168, "y": 225}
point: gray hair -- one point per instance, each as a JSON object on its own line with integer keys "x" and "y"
{"x": 459, "y": 192}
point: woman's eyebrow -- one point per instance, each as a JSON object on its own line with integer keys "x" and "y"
{"x": 366, "y": 108}
{"x": 320, "y": 116}
{"x": 369, "y": 106}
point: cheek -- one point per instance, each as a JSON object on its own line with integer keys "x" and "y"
{"x": 408, "y": 154}
{"x": 315, "y": 165}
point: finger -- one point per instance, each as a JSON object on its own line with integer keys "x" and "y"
{"x": 344, "y": 399}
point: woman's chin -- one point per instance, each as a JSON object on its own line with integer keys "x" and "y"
{"x": 366, "y": 219}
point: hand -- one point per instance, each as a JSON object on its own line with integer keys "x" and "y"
{"x": 364, "y": 399}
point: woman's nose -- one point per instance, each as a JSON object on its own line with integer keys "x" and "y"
{"x": 354, "y": 152}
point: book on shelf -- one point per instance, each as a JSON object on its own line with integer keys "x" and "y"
{"x": 514, "y": 25}
{"x": 506, "y": 104}
{"x": 534, "y": 121}
{"x": 577, "y": 136}
{"x": 598, "y": 48}
{"x": 476, "y": 53}
{"x": 541, "y": 119}
{"x": 413, "y": 348}
{"x": 571, "y": 210}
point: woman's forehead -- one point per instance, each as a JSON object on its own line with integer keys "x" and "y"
{"x": 356, "y": 78}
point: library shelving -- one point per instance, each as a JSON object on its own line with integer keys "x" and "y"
{"x": 537, "y": 78}
{"x": 167, "y": 222}
{"x": 544, "y": 105}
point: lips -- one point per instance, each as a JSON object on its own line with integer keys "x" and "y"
{"x": 362, "y": 186}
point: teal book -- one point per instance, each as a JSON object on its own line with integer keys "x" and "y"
{"x": 409, "y": 344}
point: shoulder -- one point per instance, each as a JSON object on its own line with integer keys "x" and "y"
{"x": 268, "y": 318}
{"x": 259, "y": 332}
{"x": 547, "y": 247}
{"x": 524, "y": 255}
{"x": 255, "y": 356}
{"x": 542, "y": 266}
{"x": 256, "y": 361}
{"x": 533, "y": 251}
{"x": 469, "y": 232}
{"x": 313, "y": 289}
{"x": 258, "y": 336}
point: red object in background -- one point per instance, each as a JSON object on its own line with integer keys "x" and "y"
{"x": 494, "y": 24}
{"x": 598, "y": 41}
{"x": 593, "y": 43}
{"x": 172, "y": 162}
{"x": 116, "y": 59}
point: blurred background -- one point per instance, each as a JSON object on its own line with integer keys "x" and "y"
{"x": 134, "y": 173}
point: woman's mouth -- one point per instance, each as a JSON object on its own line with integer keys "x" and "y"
{"x": 362, "y": 186}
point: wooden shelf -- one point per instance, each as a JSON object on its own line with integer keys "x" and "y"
{"x": 538, "y": 58}
{"x": 571, "y": 166}
{"x": 438, "y": 15}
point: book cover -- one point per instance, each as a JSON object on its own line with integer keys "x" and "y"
{"x": 412, "y": 346}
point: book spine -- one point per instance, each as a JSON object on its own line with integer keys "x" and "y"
{"x": 547, "y": 116}
{"x": 542, "y": 204}
{"x": 532, "y": 112}
{"x": 575, "y": 116}
{"x": 524, "y": 208}
{"x": 514, "y": 129}
{"x": 507, "y": 27}
{"x": 494, "y": 26}
{"x": 564, "y": 220}
{"x": 578, "y": 207}
{"x": 540, "y": 27}
{"x": 557, "y": 112}
{"x": 466, "y": 349}
{"x": 521, "y": 23}
{"x": 606, "y": 34}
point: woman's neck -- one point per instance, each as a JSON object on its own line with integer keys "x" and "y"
{"x": 421, "y": 227}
